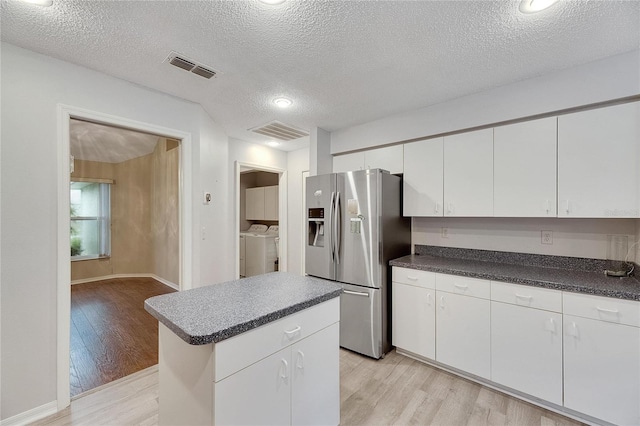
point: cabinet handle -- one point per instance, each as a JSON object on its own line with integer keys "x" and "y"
{"x": 573, "y": 330}
{"x": 548, "y": 209}
{"x": 292, "y": 333}
{"x": 567, "y": 207}
{"x": 284, "y": 367}
{"x": 520, "y": 296}
{"x": 551, "y": 325}
{"x": 429, "y": 299}
{"x": 300, "y": 360}
{"x": 608, "y": 311}
{"x": 412, "y": 278}
{"x": 441, "y": 302}
{"x": 461, "y": 286}
{"x": 437, "y": 207}
{"x": 449, "y": 208}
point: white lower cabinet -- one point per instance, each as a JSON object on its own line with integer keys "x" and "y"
{"x": 463, "y": 333}
{"x": 602, "y": 358}
{"x": 526, "y": 350}
{"x": 414, "y": 319}
{"x": 293, "y": 386}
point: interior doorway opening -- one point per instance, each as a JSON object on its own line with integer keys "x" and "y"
{"x": 260, "y": 220}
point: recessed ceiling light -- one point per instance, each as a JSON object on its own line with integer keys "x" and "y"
{"x": 273, "y": 143}
{"x": 45, "y": 3}
{"x": 533, "y": 6}
{"x": 272, "y": 1}
{"x": 282, "y": 102}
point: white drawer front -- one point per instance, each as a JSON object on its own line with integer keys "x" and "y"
{"x": 414, "y": 277}
{"x": 523, "y": 295}
{"x": 602, "y": 308}
{"x": 240, "y": 351}
{"x": 462, "y": 285}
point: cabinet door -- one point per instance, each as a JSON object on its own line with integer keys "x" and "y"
{"x": 423, "y": 178}
{"x": 315, "y": 393}
{"x": 598, "y": 156}
{"x": 468, "y": 174}
{"x": 524, "y": 156}
{"x": 463, "y": 333}
{"x": 348, "y": 162}
{"x": 271, "y": 203}
{"x": 602, "y": 369}
{"x": 414, "y": 319}
{"x": 526, "y": 350}
{"x": 257, "y": 395}
{"x": 388, "y": 158}
{"x": 243, "y": 249}
{"x": 254, "y": 206}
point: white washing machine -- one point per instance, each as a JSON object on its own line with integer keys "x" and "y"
{"x": 261, "y": 252}
{"x": 253, "y": 230}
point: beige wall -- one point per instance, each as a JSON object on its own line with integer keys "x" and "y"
{"x": 165, "y": 234}
{"x": 144, "y": 215}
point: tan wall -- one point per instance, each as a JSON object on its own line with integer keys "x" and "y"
{"x": 165, "y": 235}
{"x": 144, "y": 215}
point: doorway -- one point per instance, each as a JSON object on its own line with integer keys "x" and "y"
{"x": 124, "y": 248}
{"x": 184, "y": 203}
{"x": 261, "y": 220}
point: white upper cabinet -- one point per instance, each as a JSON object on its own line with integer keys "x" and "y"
{"x": 262, "y": 203}
{"x": 598, "y": 159}
{"x": 271, "y": 199}
{"x": 348, "y": 162}
{"x": 423, "y": 178}
{"x": 525, "y": 169}
{"x": 388, "y": 158}
{"x": 468, "y": 174}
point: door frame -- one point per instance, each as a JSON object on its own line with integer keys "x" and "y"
{"x": 282, "y": 211}
{"x": 185, "y": 214}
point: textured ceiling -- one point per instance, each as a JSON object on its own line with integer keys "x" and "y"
{"x": 342, "y": 62}
{"x": 97, "y": 142}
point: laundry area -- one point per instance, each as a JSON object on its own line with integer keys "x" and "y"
{"x": 259, "y": 245}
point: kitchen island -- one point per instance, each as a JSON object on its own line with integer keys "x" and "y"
{"x": 260, "y": 350}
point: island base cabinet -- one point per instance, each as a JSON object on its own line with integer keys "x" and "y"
{"x": 526, "y": 350}
{"x": 601, "y": 369}
{"x": 463, "y": 333}
{"x": 295, "y": 386}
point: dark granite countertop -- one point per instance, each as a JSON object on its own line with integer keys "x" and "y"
{"x": 586, "y": 280}
{"x": 217, "y": 312}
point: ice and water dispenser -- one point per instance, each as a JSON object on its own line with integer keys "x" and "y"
{"x": 316, "y": 227}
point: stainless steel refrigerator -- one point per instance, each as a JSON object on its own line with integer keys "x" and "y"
{"x": 355, "y": 226}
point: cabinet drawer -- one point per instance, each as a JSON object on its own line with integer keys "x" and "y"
{"x": 462, "y": 285}
{"x": 238, "y": 352}
{"x": 414, "y": 277}
{"x": 522, "y": 295}
{"x": 602, "y": 308}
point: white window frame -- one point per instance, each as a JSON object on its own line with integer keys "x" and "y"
{"x": 103, "y": 219}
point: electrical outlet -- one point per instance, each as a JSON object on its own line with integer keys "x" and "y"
{"x": 444, "y": 232}
{"x": 546, "y": 237}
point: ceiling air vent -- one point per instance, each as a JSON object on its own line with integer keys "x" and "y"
{"x": 190, "y": 65}
{"x": 278, "y": 130}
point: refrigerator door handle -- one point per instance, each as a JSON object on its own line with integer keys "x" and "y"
{"x": 332, "y": 221}
{"x": 355, "y": 293}
{"x": 338, "y": 227}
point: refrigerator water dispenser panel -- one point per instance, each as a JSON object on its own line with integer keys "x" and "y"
{"x": 316, "y": 227}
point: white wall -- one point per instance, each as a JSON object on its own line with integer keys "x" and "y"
{"x": 599, "y": 81}
{"x": 571, "y": 237}
{"x": 32, "y": 87}
{"x": 297, "y": 162}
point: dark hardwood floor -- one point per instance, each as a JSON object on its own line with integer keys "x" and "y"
{"x": 112, "y": 335}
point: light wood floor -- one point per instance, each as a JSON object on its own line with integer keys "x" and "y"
{"x": 112, "y": 336}
{"x": 395, "y": 390}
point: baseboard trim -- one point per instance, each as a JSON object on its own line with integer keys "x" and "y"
{"x": 112, "y": 276}
{"x": 32, "y": 415}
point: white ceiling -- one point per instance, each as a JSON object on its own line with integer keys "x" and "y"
{"x": 97, "y": 142}
{"x": 342, "y": 62}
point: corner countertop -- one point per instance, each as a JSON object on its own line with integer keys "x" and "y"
{"x": 574, "y": 280}
{"x": 217, "y": 312}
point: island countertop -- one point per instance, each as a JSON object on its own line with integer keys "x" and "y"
{"x": 217, "y": 312}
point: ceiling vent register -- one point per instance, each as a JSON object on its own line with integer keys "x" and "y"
{"x": 190, "y": 65}
{"x": 281, "y": 131}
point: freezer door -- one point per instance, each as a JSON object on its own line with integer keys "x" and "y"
{"x": 359, "y": 231}
{"x": 320, "y": 217}
{"x": 360, "y": 320}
